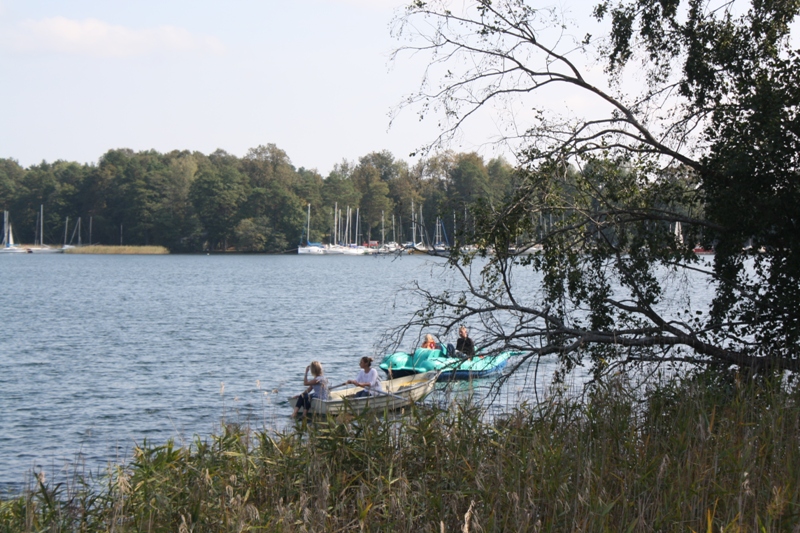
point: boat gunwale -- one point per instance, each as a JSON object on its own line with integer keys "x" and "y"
{"x": 389, "y": 399}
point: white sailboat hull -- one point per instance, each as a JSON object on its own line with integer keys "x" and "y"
{"x": 310, "y": 250}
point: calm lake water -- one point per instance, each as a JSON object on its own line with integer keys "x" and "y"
{"x": 99, "y": 353}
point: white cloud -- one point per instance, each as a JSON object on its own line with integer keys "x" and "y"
{"x": 92, "y": 37}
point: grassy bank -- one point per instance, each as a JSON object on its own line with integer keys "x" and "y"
{"x": 695, "y": 455}
{"x": 132, "y": 250}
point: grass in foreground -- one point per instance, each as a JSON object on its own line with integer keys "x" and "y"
{"x": 132, "y": 250}
{"x": 694, "y": 455}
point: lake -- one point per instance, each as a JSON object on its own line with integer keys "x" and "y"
{"x": 100, "y": 352}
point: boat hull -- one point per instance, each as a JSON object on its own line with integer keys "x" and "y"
{"x": 400, "y": 392}
{"x": 310, "y": 250}
{"x": 450, "y": 368}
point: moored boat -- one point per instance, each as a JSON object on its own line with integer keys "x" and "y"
{"x": 313, "y": 248}
{"x": 399, "y": 392}
{"x": 8, "y": 245}
{"x": 449, "y": 367}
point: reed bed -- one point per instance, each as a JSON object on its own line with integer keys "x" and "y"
{"x": 127, "y": 250}
{"x": 694, "y": 454}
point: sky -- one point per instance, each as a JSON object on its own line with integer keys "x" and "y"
{"x": 81, "y": 77}
{"x": 314, "y": 77}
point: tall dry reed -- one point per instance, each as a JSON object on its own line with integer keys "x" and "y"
{"x": 118, "y": 250}
{"x": 695, "y": 454}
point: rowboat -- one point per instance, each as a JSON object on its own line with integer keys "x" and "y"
{"x": 399, "y": 393}
{"x": 454, "y": 367}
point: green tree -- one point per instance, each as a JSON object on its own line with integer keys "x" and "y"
{"x": 339, "y": 188}
{"x": 278, "y": 214}
{"x": 174, "y": 220}
{"x": 251, "y": 236}
{"x": 719, "y": 111}
{"x": 501, "y": 179}
{"x": 469, "y": 180}
{"x": 216, "y": 194}
{"x": 10, "y": 177}
{"x": 265, "y": 164}
{"x": 375, "y": 202}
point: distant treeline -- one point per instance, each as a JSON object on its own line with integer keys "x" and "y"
{"x": 188, "y": 201}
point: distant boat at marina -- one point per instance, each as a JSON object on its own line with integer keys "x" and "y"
{"x": 310, "y": 248}
{"x": 39, "y": 247}
{"x": 8, "y": 238}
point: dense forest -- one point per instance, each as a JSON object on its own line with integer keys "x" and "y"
{"x": 190, "y": 202}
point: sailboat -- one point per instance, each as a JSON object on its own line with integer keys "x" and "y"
{"x": 387, "y": 247}
{"x": 8, "y": 238}
{"x": 335, "y": 248}
{"x": 313, "y": 248}
{"x": 440, "y": 247}
{"x": 421, "y": 246}
{"x": 353, "y": 248}
{"x": 39, "y": 246}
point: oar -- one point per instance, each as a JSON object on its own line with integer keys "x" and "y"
{"x": 329, "y": 388}
{"x": 392, "y": 395}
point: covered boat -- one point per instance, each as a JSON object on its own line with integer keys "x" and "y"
{"x": 399, "y": 392}
{"x": 450, "y": 367}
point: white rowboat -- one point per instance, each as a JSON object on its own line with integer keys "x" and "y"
{"x": 399, "y": 393}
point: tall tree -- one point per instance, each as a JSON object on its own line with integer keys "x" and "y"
{"x": 721, "y": 106}
{"x": 375, "y": 202}
{"x": 216, "y": 194}
{"x": 10, "y": 177}
{"x": 470, "y": 180}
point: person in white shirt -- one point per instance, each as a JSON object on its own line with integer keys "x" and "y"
{"x": 367, "y": 378}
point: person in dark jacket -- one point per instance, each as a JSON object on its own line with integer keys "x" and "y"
{"x": 464, "y": 345}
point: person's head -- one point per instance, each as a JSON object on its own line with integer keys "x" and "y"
{"x": 462, "y": 332}
{"x": 316, "y": 368}
{"x": 365, "y": 362}
{"x": 429, "y": 338}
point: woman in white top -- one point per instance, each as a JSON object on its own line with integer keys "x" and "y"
{"x": 367, "y": 378}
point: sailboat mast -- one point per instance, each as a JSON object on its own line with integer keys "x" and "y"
{"x": 413, "y": 225}
{"x": 347, "y": 229}
{"x": 422, "y": 230}
{"x": 36, "y": 231}
{"x": 308, "y": 226}
{"x": 358, "y": 228}
{"x": 41, "y": 225}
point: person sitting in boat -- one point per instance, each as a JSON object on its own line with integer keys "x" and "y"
{"x": 317, "y": 388}
{"x": 429, "y": 342}
{"x": 367, "y": 378}
{"x": 464, "y": 344}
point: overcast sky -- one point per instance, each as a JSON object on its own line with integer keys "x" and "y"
{"x": 80, "y": 77}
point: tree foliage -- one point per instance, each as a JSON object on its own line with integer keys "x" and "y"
{"x": 190, "y": 202}
{"x": 704, "y": 155}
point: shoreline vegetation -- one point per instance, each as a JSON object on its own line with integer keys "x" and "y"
{"x": 126, "y": 250}
{"x": 698, "y": 453}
